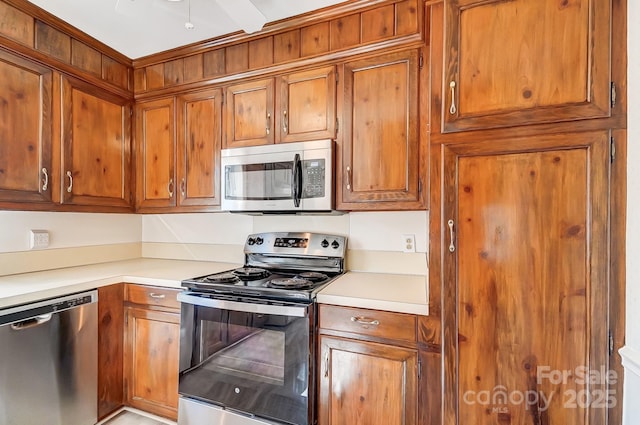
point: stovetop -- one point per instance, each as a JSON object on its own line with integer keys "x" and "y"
{"x": 289, "y": 266}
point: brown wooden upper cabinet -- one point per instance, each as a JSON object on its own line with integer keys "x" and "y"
{"x": 178, "y": 151}
{"x": 290, "y": 108}
{"x": 523, "y": 62}
{"x": 96, "y": 146}
{"x": 382, "y": 157}
{"x": 25, "y": 130}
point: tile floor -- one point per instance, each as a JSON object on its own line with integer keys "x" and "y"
{"x": 131, "y": 417}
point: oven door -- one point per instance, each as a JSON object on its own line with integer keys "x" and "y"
{"x": 248, "y": 355}
{"x": 278, "y": 178}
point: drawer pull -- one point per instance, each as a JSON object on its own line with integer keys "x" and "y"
{"x": 158, "y": 296}
{"x": 365, "y": 321}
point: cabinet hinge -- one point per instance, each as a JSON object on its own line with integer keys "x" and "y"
{"x": 614, "y": 94}
{"x": 611, "y": 345}
{"x": 612, "y": 150}
{"x": 421, "y": 60}
{"x": 337, "y": 77}
{"x": 222, "y": 98}
{"x": 337, "y": 125}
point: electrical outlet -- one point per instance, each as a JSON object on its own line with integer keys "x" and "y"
{"x": 408, "y": 243}
{"x": 38, "y": 239}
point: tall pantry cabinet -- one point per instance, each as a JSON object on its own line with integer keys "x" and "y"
{"x": 527, "y": 149}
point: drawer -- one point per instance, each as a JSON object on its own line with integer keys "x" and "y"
{"x": 152, "y": 295}
{"x": 375, "y": 323}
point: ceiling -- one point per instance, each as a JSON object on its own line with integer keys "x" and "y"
{"x": 138, "y": 28}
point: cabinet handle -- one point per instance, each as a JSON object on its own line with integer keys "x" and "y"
{"x": 365, "y": 321}
{"x": 170, "y": 188}
{"x": 183, "y": 187}
{"x": 348, "y": 178}
{"x": 452, "y": 108}
{"x": 285, "y": 123}
{"x": 70, "y": 187}
{"x": 158, "y": 296}
{"x": 269, "y": 123}
{"x": 45, "y": 183}
{"x": 452, "y": 247}
{"x": 326, "y": 364}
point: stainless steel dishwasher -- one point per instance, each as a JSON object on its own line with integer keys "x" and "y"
{"x": 48, "y": 361}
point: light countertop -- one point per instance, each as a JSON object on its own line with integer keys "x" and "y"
{"x": 391, "y": 292}
{"x": 28, "y": 287}
{"x": 378, "y": 291}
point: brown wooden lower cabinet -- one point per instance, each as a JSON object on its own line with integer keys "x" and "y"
{"x": 366, "y": 379}
{"x": 151, "y": 350}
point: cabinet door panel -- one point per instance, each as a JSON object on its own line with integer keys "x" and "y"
{"x": 249, "y": 111}
{"x": 96, "y": 146}
{"x": 306, "y": 105}
{"x": 199, "y": 144}
{"x": 25, "y": 130}
{"x": 151, "y": 361}
{"x": 381, "y": 149}
{"x": 155, "y": 147}
{"x": 366, "y": 383}
{"x": 531, "y": 288}
{"x": 552, "y": 65}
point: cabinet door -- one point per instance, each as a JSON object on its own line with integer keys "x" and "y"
{"x": 156, "y": 153}
{"x": 381, "y": 151}
{"x": 25, "y": 130}
{"x": 365, "y": 383}
{"x": 249, "y": 114}
{"x": 306, "y": 105}
{"x": 199, "y": 144}
{"x": 525, "y": 291}
{"x": 96, "y": 146}
{"x": 151, "y": 361}
{"x": 522, "y": 62}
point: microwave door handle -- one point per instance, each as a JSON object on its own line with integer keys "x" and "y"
{"x": 297, "y": 180}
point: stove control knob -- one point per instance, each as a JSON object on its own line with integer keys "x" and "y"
{"x": 259, "y": 240}
{"x": 335, "y": 244}
{"x": 251, "y": 241}
{"x": 324, "y": 243}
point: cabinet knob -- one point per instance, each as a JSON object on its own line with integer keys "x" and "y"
{"x": 45, "y": 181}
{"x": 70, "y": 187}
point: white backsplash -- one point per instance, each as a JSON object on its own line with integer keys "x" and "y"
{"x": 68, "y": 229}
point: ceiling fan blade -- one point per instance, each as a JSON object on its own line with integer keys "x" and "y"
{"x": 244, "y": 13}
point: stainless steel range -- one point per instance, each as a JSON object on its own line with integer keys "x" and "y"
{"x": 247, "y": 340}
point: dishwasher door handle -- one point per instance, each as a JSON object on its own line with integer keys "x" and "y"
{"x": 31, "y": 323}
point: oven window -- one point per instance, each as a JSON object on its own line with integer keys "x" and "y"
{"x": 269, "y": 181}
{"x": 250, "y": 362}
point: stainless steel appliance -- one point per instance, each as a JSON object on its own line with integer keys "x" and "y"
{"x": 247, "y": 337}
{"x": 48, "y": 362}
{"x": 280, "y": 178}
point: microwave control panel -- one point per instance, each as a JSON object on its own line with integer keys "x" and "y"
{"x": 313, "y": 180}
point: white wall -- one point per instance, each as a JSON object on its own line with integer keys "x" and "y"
{"x": 632, "y": 379}
{"x": 371, "y": 231}
{"x": 67, "y": 229}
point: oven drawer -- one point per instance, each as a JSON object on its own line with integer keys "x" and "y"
{"x": 152, "y": 295}
{"x": 374, "y": 323}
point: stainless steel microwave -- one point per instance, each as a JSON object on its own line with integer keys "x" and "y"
{"x": 279, "y": 178}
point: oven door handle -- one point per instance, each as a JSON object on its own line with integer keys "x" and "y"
{"x": 279, "y": 310}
